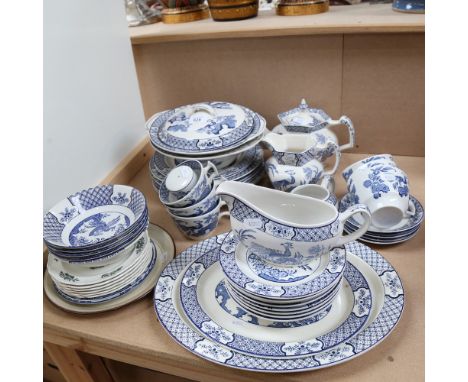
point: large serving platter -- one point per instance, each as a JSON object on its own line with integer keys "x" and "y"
{"x": 387, "y": 306}
{"x": 197, "y": 294}
{"x": 192, "y": 130}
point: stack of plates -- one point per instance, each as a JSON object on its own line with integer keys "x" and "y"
{"x": 224, "y": 133}
{"x": 246, "y": 167}
{"x": 284, "y": 294}
{"x": 98, "y": 242}
{"x": 204, "y": 309}
{"x": 405, "y": 230}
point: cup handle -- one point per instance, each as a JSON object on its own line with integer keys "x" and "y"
{"x": 357, "y": 208}
{"x": 210, "y": 167}
{"x": 411, "y": 209}
{"x": 344, "y": 120}
{"x": 329, "y": 183}
{"x": 337, "y": 153}
{"x": 223, "y": 214}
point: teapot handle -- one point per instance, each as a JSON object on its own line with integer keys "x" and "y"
{"x": 328, "y": 182}
{"x": 344, "y": 120}
{"x": 337, "y": 153}
{"x": 365, "y": 213}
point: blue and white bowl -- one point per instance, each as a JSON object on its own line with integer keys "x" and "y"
{"x": 96, "y": 222}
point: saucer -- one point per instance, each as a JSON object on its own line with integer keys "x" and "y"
{"x": 197, "y": 294}
{"x": 166, "y": 250}
{"x": 405, "y": 225}
{"x": 387, "y": 306}
{"x": 233, "y": 260}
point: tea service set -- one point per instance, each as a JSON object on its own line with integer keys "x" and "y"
{"x": 288, "y": 288}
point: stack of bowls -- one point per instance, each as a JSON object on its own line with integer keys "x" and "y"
{"x": 224, "y": 133}
{"x": 98, "y": 243}
{"x": 189, "y": 194}
{"x": 378, "y": 183}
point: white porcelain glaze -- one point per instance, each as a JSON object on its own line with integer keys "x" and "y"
{"x": 378, "y": 183}
{"x": 323, "y": 191}
{"x": 286, "y": 229}
{"x": 181, "y": 179}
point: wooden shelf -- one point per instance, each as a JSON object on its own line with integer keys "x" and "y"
{"x": 133, "y": 335}
{"x": 362, "y": 18}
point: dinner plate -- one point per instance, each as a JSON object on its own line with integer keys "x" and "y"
{"x": 377, "y": 236}
{"x": 198, "y": 299}
{"x": 242, "y": 166}
{"x": 233, "y": 260}
{"x": 387, "y": 242}
{"x": 387, "y": 306}
{"x": 229, "y": 305}
{"x": 166, "y": 250}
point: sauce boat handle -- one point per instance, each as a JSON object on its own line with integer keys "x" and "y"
{"x": 365, "y": 213}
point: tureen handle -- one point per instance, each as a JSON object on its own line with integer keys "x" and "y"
{"x": 365, "y": 214}
{"x": 337, "y": 153}
{"x": 345, "y": 121}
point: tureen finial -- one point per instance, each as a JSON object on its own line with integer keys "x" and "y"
{"x": 303, "y": 104}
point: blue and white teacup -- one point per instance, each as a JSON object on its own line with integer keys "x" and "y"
{"x": 200, "y": 208}
{"x": 324, "y": 191}
{"x": 198, "y": 192}
{"x": 379, "y": 184}
{"x": 198, "y": 227}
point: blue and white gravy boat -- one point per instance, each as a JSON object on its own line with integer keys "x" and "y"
{"x": 287, "y": 229}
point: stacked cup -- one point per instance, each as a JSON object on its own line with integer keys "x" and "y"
{"x": 378, "y": 183}
{"x": 189, "y": 194}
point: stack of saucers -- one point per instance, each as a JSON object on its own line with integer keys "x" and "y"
{"x": 98, "y": 243}
{"x": 221, "y": 132}
{"x": 189, "y": 194}
{"x": 405, "y": 230}
{"x": 383, "y": 187}
{"x": 281, "y": 294}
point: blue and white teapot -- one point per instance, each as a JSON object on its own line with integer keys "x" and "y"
{"x": 316, "y": 122}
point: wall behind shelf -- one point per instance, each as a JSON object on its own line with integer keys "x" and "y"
{"x": 93, "y": 114}
{"x": 375, "y": 79}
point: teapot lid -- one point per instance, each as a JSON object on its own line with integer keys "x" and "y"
{"x": 304, "y": 116}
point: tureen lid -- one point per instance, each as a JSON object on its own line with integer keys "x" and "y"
{"x": 304, "y": 116}
{"x": 201, "y": 127}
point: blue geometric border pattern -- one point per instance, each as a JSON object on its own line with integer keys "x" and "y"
{"x": 184, "y": 146}
{"x": 351, "y": 326}
{"x": 241, "y": 211}
{"x": 85, "y": 200}
{"x": 172, "y": 322}
{"x": 330, "y": 274}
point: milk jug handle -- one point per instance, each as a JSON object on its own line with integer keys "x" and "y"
{"x": 344, "y": 120}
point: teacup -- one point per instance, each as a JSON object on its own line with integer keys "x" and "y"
{"x": 323, "y": 191}
{"x": 199, "y": 191}
{"x": 197, "y": 227}
{"x": 287, "y": 229}
{"x": 179, "y": 181}
{"x": 382, "y": 187}
{"x": 200, "y": 208}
